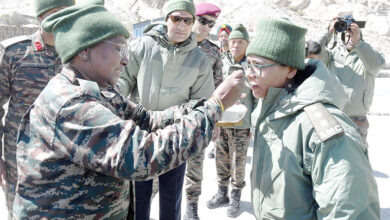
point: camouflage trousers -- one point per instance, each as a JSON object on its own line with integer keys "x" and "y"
{"x": 362, "y": 123}
{"x": 194, "y": 174}
{"x": 230, "y": 156}
{"x": 11, "y": 169}
{"x": 194, "y": 177}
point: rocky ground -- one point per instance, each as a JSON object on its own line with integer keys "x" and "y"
{"x": 312, "y": 14}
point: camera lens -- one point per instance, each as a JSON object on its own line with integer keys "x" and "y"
{"x": 341, "y": 26}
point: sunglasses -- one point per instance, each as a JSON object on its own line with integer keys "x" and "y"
{"x": 125, "y": 48}
{"x": 177, "y": 19}
{"x": 204, "y": 21}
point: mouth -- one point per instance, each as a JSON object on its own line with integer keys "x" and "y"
{"x": 250, "y": 85}
{"x": 180, "y": 33}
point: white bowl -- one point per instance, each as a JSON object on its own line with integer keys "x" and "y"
{"x": 234, "y": 114}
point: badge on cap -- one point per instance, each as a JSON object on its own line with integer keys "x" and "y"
{"x": 38, "y": 45}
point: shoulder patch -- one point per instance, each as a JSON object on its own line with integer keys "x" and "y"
{"x": 89, "y": 88}
{"x": 213, "y": 44}
{"x": 323, "y": 122}
{"x": 11, "y": 41}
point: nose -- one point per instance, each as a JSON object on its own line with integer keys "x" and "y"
{"x": 249, "y": 74}
{"x": 182, "y": 24}
{"x": 124, "y": 61}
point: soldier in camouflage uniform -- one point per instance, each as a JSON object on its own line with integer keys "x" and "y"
{"x": 232, "y": 144}
{"x": 81, "y": 142}
{"x": 223, "y": 37}
{"x": 206, "y": 15}
{"x": 27, "y": 63}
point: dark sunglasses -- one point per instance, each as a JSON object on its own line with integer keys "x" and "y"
{"x": 177, "y": 19}
{"x": 204, "y": 21}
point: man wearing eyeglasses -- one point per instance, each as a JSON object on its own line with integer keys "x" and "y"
{"x": 206, "y": 16}
{"x": 233, "y": 141}
{"x": 166, "y": 68}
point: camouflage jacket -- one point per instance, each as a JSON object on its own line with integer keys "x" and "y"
{"x": 79, "y": 146}
{"x": 26, "y": 66}
{"x": 212, "y": 52}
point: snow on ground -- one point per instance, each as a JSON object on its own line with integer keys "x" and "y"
{"x": 379, "y": 152}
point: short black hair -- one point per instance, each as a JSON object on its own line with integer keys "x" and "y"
{"x": 312, "y": 47}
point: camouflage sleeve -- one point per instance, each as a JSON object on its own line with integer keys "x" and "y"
{"x": 95, "y": 138}
{"x": 5, "y": 90}
{"x": 153, "y": 120}
{"x": 217, "y": 71}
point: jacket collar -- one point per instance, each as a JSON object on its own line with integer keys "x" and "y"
{"x": 38, "y": 44}
{"x": 321, "y": 87}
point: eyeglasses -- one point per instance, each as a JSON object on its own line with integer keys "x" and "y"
{"x": 125, "y": 48}
{"x": 205, "y": 21}
{"x": 256, "y": 69}
{"x": 177, "y": 19}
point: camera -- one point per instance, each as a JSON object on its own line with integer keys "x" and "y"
{"x": 343, "y": 23}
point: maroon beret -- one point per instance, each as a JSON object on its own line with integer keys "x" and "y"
{"x": 207, "y": 9}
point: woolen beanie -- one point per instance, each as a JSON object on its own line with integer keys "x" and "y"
{"x": 180, "y": 5}
{"x": 82, "y": 26}
{"x": 279, "y": 40}
{"x": 43, "y": 6}
{"x": 239, "y": 32}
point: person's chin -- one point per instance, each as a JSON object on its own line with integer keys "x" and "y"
{"x": 257, "y": 92}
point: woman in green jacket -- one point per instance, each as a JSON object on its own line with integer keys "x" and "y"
{"x": 309, "y": 160}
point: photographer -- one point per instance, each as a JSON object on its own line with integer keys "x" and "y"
{"x": 356, "y": 64}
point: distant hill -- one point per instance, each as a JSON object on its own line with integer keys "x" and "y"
{"x": 312, "y": 14}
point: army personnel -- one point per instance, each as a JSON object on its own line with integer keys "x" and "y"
{"x": 27, "y": 63}
{"x": 309, "y": 161}
{"x": 81, "y": 142}
{"x": 167, "y": 68}
{"x": 206, "y": 16}
{"x": 223, "y": 37}
{"x": 356, "y": 64}
{"x": 232, "y": 144}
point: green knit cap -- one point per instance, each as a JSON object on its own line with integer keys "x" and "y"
{"x": 82, "y": 26}
{"x": 281, "y": 41}
{"x": 180, "y": 5}
{"x": 239, "y": 32}
{"x": 43, "y": 6}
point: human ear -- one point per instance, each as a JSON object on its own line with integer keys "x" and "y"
{"x": 291, "y": 73}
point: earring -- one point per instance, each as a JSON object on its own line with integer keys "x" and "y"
{"x": 83, "y": 57}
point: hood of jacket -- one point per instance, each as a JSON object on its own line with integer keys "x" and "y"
{"x": 321, "y": 86}
{"x": 159, "y": 33}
